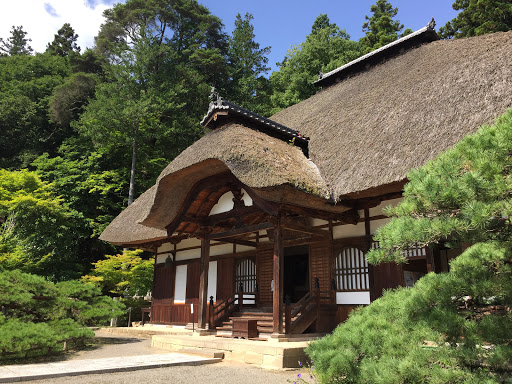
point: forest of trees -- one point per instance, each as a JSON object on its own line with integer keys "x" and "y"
{"x": 83, "y": 132}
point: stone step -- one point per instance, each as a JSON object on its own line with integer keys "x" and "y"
{"x": 209, "y": 353}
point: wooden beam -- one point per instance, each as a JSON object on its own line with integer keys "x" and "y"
{"x": 298, "y": 227}
{"x": 277, "y": 295}
{"x": 240, "y": 242}
{"x": 203, "y": 280}
{"x": 240, "y": 231}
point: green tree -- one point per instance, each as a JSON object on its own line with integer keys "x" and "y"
{"x": 326, "y": 48}
{"x": 247, "y": 64}
{"x": 38, "y": 232}
{"x": 160, "y": 52}
{"x": 26, "y": 87}
{"x": 454, "y": 326}
{"x": 16, "y": 44}
{"x": 123, "y": 274}
{"x": 380, "y": 28}
{"x": 64, "y": 42}
{"x": 478, "y": 17}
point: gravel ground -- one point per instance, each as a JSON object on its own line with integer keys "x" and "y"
{"x": 219, "y": 373}
{"x": 226, "y": 372}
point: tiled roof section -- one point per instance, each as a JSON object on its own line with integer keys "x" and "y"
{"x": 423, "y": 35}
{"x": 217, "y": 103}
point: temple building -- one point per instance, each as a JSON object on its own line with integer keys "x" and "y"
{"x": 270, "y": 218}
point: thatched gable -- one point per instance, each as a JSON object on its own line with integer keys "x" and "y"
{"x": 371, "y": 129}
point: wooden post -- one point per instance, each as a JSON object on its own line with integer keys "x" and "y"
{"x": 240, "y": 296}
{"x": 277, "y": 296}
{"x": 288, "y": 315}
{"x": 203, "y": 280}
{"x": 371, "y": 271}
{"x": 210, "y": 314}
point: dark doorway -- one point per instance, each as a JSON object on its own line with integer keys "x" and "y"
{"x": 296, "y": 272}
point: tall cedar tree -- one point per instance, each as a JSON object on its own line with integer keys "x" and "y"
{"x": 16, "y": 44}
{"x": 247, "y": 64}
{"x": 380, "y": 28}
{"x": 478, "y": 17}
{"x": 164, "y": 56}
{"x": 64, "y": 42}
{"x": 452, "y": 327}
{"x": 326, "y": 48}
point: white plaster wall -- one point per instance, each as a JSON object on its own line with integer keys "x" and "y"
{"x": 221, "y": 249}
{"x": 348, "y": 230}
{"x": 225, "y": 203}
{"x": 167, "y": 247}
{"x": 188, "y": 254}
{"x": 317, "y": 222}
{"x": 212, "y": 280}
{"x": 352, "y": 298}
{"x": 180, "y": 286}
{"x": 160, "y": 259}
{"x": 378, "y": 209}
{"x": 375, "y": 224}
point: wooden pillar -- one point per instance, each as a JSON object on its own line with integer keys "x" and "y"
{"x": 277, "y": 295}
{"x": 371, "y": 271}
{"x": 203, "y": 280}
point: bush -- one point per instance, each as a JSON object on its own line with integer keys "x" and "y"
{"x": 39, "y": 316}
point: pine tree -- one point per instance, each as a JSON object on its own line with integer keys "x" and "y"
{"x": 380, "y": 28}
{"x": 64, "y": 42}
{"x": 478, "y": 17}
{"x": 247, "y": 64}
{"x": 16, "y": 44}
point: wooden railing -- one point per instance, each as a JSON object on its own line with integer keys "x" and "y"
{"x": 220, "y": 311}
{"x": 299, "y": 316}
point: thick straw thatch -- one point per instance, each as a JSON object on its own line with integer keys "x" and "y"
{"x": 371, "y": 129}
{"x": 256, "y": 159}
{"x": 366, "y": 133}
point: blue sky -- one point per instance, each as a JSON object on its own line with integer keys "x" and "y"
{"x": 279, "y": 24}
{"x": 282, "y": 24}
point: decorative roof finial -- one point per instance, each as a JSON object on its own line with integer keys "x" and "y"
{"x": 214, "y": 97}
{"x": 432, "y": 24}
{"x": 320, "y": 75}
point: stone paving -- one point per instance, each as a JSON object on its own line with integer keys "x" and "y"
{"x": 16, "y": 373}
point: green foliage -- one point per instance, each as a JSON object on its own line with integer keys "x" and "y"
{"x": 123, "y": 274}
{"x": 16, "y": 44}
{"x": 445, "y": 329}
{"x": 449, "y": 327}
{"x": 38, "y": 233}
{"x": 64, "y": 43}
{"x": 39, "y": 316}
{"x": 380, "y": 28}
{"x": 247, "y": 63}
{"x": 26, "y": 87}
{"x": 478, "y": 17}
{"x": 326, "y": 48}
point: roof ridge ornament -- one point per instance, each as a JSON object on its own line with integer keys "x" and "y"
{"x": 215, "y": 97}
{"x": 431, "y": 25}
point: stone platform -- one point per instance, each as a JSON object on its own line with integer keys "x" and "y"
{"x": 269, "y": 354}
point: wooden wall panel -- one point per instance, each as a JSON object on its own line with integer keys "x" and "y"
{"x": 264, "y": 265}
{"x": 225, "y": 286}
{"x": 386, "y": 276}
{"x": 343, "y": 312}
{"x": 163, "y": 284}
{"x": 193, "y": 274}
{"x": 320, "y": 257}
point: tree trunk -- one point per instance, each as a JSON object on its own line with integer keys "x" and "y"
{"x": 131, "y": 191}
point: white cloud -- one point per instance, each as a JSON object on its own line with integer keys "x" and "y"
{"x": 41, "y": 19}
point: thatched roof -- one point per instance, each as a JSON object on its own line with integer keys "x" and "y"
{"x": 255, "y": 159}
{"x": 366, "y": 132}
{"x": 371, "y": 129}
{"x": 125, "y": 228}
